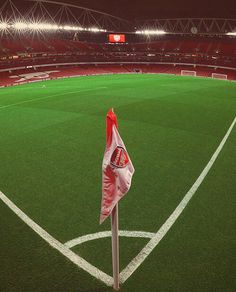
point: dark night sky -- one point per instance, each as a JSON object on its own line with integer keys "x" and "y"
{"x": 147, "y": 9}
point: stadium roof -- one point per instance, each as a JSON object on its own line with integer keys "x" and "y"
{"x": 117, "y": 16}
{"x": 140, "y": 9}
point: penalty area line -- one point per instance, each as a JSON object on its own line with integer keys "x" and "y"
{"x": 77, "y": 260}
{"x": 154, "y": 241}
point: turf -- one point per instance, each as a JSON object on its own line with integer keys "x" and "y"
{"x": 51, "y": 149}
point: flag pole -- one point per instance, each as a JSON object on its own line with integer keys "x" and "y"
{"x": 115, "y": 247}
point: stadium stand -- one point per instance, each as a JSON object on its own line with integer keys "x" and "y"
{"x": 24, "y": 53}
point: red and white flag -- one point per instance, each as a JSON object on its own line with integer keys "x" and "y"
{"x": 117, "y": 168}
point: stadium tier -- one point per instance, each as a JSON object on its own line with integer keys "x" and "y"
{"x": 216, "y": 51}
{"x": 167, "y": 55}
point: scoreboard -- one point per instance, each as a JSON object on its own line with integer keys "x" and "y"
{"x": 116, "y": 38}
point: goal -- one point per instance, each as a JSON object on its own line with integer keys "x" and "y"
{"x": 188, "y": 73}
{"x": 219, "y": 76}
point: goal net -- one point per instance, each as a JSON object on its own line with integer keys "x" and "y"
{"x": 219, "y": 76}
{"x": 188, "y": 73}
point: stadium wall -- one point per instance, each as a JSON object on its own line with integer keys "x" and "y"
{"x": 25, "y": 74}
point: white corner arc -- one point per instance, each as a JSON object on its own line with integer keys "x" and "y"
{"x": 104, "y": 234}
{"x": 143, "y": 254}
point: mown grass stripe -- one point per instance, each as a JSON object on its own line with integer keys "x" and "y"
{"x": 80, "y": 262}
{"x": 145, "y": 252}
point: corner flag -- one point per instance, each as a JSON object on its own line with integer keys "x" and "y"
{"x": 117, "y": 168}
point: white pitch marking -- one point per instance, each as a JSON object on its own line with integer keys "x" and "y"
{"x": 45, "y": 97}
{"x": 80, "y": 262}
{"x": 103, "y": 234}
{"x": 145, "y": 252}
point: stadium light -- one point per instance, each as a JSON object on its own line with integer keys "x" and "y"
{"x": 231, "y": 33}
{"x": 95, "y": 29}
{"x": 42, "y": 26}
{"x": 20, "y": 25}
{"x": 3, "y": 25}
{"x": 33, "y": 26}
{"x": 68, "y": 27}
{"x": 47, "y": 26}
{"x": 151, "y": 32}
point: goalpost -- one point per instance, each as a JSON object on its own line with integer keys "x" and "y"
{"x": 219, "y": 76}
{"x": 188, "y": 73}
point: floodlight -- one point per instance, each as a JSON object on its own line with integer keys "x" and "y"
{"x": 20, "y": 25}
{"x": 51, "y": 26}
{"x": 74, "y": 28}
{"x": 3, "y": 25}
{"x": 47, "y": 26}
{"x": 33, "y": 26}
{"x": 68, "y": 27}
{"x": 94, "y": 29}
{"x": 150, "y": 32}
{"x": 231, "y": 33}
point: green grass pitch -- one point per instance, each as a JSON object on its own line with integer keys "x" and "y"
{"x": 52, "y": 141}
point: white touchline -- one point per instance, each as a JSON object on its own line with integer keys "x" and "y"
{"x": 103, "y": 234}
{"x": 143, "y": 254}
{"x": 80, "y": 262}
{"x": 45, "y": 97}
{"x": 148, "y": 248}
